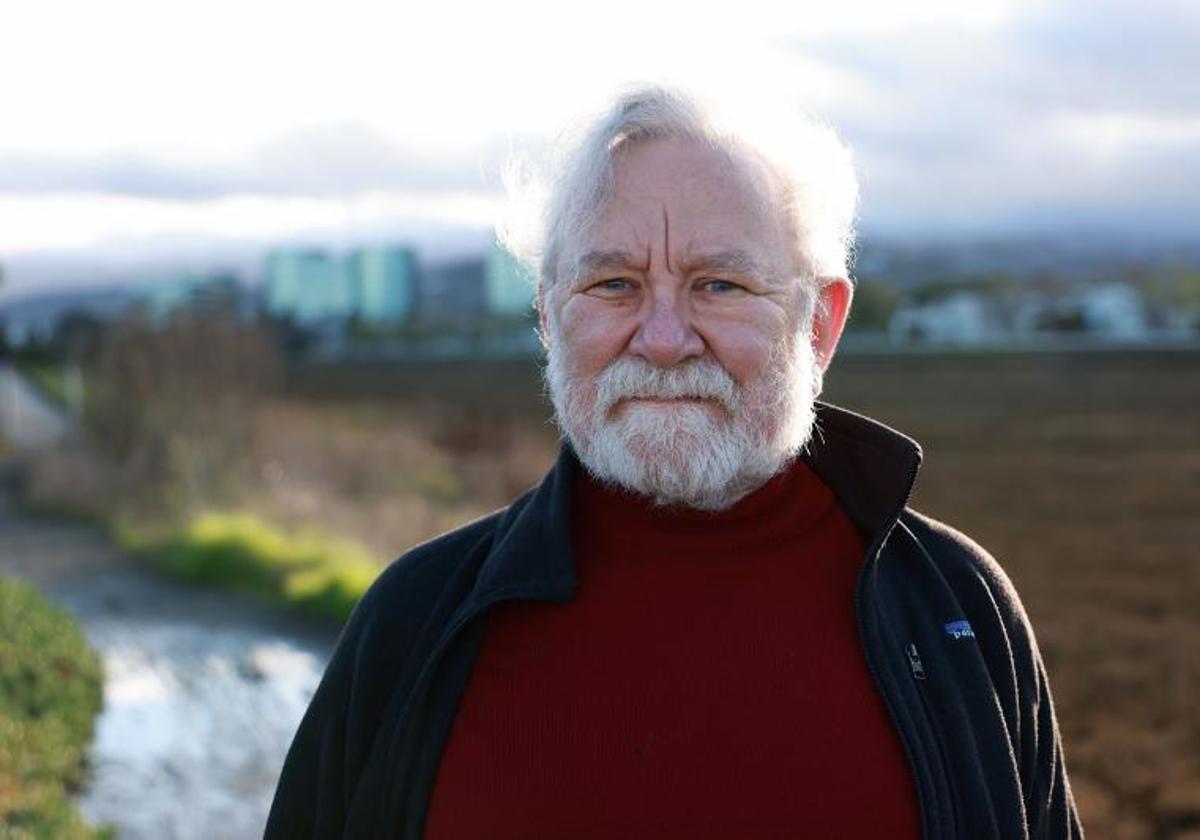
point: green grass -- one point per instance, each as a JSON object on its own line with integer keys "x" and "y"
{"x": 51, "y": 690}
{"x": 317, "y": 574}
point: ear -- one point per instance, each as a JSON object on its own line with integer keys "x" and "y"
{"x": 833, "y": 308}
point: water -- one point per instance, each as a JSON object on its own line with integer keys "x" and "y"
{"x": 202, "y": 693}
{"x": 196, "y": 724}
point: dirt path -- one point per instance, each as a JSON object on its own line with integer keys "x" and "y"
{"x": 27, "y": 420}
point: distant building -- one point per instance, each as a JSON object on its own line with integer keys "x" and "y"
{"x": 218, "y": 292}
{"x": 382, "y": 284}
{"x": 306, "y": 285}
{"x": 508, "y": 283}
{"x": 452, "y": 293}
{"x": 1110, "y": 312}
{"x": 165, "y": 297}
{"x": 961, "y": 318}
{"x": 203, "y": 293}
{"x": 1115, "y": 311}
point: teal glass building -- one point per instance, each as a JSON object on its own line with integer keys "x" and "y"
{"x": 382, "y": 284}
{"x": 306, "y": 285}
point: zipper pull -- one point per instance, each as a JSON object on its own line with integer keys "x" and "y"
{"x": 914, "y": 661}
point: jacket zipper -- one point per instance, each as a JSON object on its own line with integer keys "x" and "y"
{"x": 918, "y": 672}
{"x": 926, "y": 797}
{"x": 915, "y": 665}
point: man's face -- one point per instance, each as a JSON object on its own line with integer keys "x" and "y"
{"x": 679, "y": 359}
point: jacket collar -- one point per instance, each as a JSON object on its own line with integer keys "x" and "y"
{"x": 870, "y": 467}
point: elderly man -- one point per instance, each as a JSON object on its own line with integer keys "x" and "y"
{"x": 716, "y": 616}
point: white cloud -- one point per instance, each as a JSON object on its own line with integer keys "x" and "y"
{"x": 1109, "y": 136}
{"x": 953, "y": 108}
{"x": 213, "y": 80}
{"x": 81, "y": 220}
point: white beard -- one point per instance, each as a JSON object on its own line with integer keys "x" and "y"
{"x": 688, "y": 454}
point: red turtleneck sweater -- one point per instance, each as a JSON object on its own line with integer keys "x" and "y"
{"x": 707, "y": 681}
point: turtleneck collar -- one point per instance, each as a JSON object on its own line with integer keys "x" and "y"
{"x": 869, "y": 467}
{"x": 788, "y": 503}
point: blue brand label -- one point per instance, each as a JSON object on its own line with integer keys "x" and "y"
{"x": 960, "y": 629}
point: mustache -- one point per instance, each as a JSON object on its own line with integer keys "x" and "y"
{"x": 698, "y": 379}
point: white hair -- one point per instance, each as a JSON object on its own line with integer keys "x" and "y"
{"x": 815, "y": 190}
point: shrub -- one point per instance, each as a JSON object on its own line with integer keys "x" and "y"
{"x": 50, "y": 694}
{"x": 319, "y": 574}
{"x": 171, "y": 406}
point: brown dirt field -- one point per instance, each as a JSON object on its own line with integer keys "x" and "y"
{"x": 1080, "y": 472}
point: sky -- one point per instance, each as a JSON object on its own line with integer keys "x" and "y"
{"x": 134, "y": 129}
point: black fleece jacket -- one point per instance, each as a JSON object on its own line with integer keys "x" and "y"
{"x": 943, "y": 633}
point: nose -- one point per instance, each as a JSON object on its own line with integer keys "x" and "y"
{"x": 665, "y": 337}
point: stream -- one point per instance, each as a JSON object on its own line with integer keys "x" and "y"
{"x": 202, "y": 692}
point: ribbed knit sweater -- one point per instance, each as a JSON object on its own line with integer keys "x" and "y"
{"x": 706, "y": 681}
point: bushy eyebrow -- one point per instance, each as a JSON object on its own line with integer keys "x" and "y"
{"x": 738, "y": 262}
{"x": 591, "y": 262}
{"x": 735, "y": 261}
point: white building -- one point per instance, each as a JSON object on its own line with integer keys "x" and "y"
{"x": 1114, "y": 311}
{"x": 961, "y": 318}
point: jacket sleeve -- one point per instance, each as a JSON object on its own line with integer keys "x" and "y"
{"x": 332, "y": 745}
{"x": 1050, "y": 807}
{"x": 373, "y": 661}
{"x": 315, "y": 785}
{"x": 1019, "y": 674}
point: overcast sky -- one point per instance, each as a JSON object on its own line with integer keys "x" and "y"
{"x": 126, "y": 123}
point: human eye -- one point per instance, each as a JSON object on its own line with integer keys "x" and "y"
{"x": 721, "y": 287}
{"x": 611, "y": 286}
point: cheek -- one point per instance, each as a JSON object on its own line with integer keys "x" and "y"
{"x": 595, "y": 335}
{"x": 745, "y": 345}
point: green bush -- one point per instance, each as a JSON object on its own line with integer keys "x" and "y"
{"x": 51, "y": 690}
{"x": 318, "y": 574}
{"x": 874, "y": 303}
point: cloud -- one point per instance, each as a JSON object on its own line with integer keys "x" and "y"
{"x": 118, "y": 174}
{"x": 1023, "y": 113}
{"x": 329, "y": 160}
{"x": 1069, "y": 112}
{"x": 1114, "y": 56}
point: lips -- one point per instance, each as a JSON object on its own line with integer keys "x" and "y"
{"x": 672, "y": 399}
{"x": 665, "y": 403}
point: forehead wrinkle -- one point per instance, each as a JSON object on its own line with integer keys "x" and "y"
{"x": 666, "y": 238}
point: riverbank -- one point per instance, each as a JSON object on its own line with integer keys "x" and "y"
{"x": 50, "y": 695}
{"x": 202, "y": 694}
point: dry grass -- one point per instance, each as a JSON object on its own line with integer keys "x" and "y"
{"x": 390, "y": 475}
